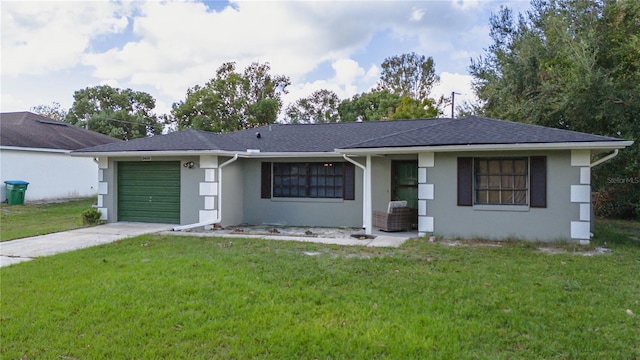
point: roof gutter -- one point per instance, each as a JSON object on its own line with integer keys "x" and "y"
{"x": 219, "y": 217}
{"x": 605, "y": 159}
{"x": 604, "y": 145}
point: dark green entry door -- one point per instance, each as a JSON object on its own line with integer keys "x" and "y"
{"x": 404, "y": 182}
{"x": 149, "y": 191}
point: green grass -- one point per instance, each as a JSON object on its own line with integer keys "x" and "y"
{"x": 19, "y": 221}
{"x": 201, "y": 298}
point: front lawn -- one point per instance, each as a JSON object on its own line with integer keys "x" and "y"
{"x": 186, "y": 297}
{"x": 30, "y": 219}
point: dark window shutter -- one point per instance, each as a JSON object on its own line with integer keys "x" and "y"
{"x": 465, "y": 181}
{"x": 265, "y": 185}
{"x": 538, "y": 181}
{"x": 349, "y": 181}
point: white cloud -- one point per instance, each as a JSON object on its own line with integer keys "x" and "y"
{"x": 39, "y": 37}
{"x": 458, "y": 83}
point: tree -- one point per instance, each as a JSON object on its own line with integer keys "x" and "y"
{"x": 319, "y": 107}
{"x": 409, "y": 75}
{"x": 409, "y": 108}
{"x": 375, "y": 105}
{"x": 123, "y": 114}
{"x": 232, "y": 101}
{"x": 53, "y": 111}
{"x": 571, "y": 64}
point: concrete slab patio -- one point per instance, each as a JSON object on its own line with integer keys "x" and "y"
{"x": 320, "y": 236}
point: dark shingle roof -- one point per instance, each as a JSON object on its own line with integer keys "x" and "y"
{"x": 303, "y": 138}
{"x": 476, "y": 130}
{"x": 175, "y": 141}
{"x": 29, "y": 130}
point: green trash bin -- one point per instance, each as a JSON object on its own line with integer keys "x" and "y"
{"x": 15, "y": 191}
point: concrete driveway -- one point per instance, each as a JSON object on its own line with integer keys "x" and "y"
{"x": 15, "y": 251}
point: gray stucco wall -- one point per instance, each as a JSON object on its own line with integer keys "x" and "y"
{"x": 297, "y": 211}
{"x": 232, "y": 192}
{"x": 493, "y": 222}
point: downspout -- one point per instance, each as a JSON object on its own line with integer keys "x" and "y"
{"x": 364, "y": 189}
{"x": 596, "y": 163}
{"x": 604, "y": 159}
{"x": 219, "y": 217}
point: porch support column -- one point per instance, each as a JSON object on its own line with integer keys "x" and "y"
{"x": 366, "y": 195}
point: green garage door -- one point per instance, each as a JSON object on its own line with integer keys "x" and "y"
{"x": 149, "y": 191}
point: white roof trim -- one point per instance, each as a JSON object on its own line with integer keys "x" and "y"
{"x": 491, "y": 147}
{"x": 47, "y": 150}
{"x": 241, "y": 154}
{"x": 602, "y": 145}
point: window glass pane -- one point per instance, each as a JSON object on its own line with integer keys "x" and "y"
{"x": 302, "y": 191}
{"x": 330, "y": 192}
{"x": 507, "y": 181}
{"x": 339, "y": 192}
{"x": 302, "y": 181}
{"x": 482, "y": 182}
{"x": 507, "y": 167}
{"x": 507, "y": 197}
{"x": 339, "y": 169}
{"x": 520, "y": 167}
{"x": 520, "y": 182}
{"x": 321, "y": 180}
{"x": 494, "y": 182}
{"x": 483, "y": 166}
{"x": 481, "y": 197}
{"x": 321, "y": 192}
{"x": 313, "y": 192}
{"x": 494, "y": 167}
{"x": 520, "y": 197}
{"x": 494, "y": 197}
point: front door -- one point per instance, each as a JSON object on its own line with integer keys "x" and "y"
{"x": 404, "y": 182}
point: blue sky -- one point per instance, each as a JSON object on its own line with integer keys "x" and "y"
{"x": 51, "y": 49}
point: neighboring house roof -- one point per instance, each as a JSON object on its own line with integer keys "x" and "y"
{"x": 29, "y": 130}
{"x": 319, "y": 138}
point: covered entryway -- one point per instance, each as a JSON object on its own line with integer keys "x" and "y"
{"x": 149, "y": 191}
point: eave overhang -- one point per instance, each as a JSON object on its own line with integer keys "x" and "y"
{"x": 603, "y": 145}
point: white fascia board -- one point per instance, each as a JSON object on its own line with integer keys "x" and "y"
{"x": 17, "y": 148}
{"x": 154, "y": 153}
{"x": 288, "y": 154}
{"x": 491, "y": 147}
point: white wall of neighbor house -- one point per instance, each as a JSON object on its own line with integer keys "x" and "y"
{"x": 51, "y": 174}
{"x": 564, "y": 218}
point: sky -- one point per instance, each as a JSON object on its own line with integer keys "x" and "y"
{"x": 50, "y": 49}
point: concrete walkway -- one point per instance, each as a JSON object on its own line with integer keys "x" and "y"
{"x": 15, "y": 251}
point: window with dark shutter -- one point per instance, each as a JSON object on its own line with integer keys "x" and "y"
{"x": 465, "y": 181}
{"x": 265, "y": 185}
{"x": 538, "y": 181}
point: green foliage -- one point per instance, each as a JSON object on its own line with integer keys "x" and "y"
{"x": 409, "y": 75}
{"x": 375, "y": 105}
{"x": 122, "y": 114}
{"x": 232, "y": 101}
{"x": 320, "y": 107}
{"x": 91, "y": 216}
{"x": 173, "y": 297}
{"x": 53, "y": 111}
{"x": 571, "y": 64}
{"x": 19, "y": 221}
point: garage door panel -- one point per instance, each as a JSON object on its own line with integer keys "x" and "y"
{"x": 149, "y": 192}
